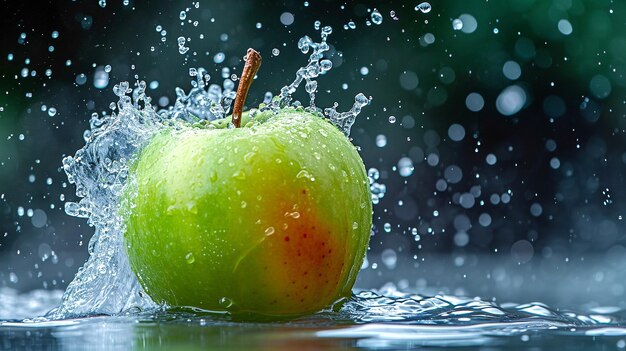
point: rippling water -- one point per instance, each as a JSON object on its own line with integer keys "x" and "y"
{"x": 372, "y": 319}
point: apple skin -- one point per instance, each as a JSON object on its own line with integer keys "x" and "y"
{"x": 270, "y": 219}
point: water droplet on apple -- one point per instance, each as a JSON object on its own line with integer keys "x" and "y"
{"x": 317, "y": 155}
{"x": 189, "y": 258}
{"x": 304, "y": 174}
{"x": 241, "y": 175}
{"x": 213, "y": 176}
{"x": 170, "y": 210}
{"x": 220, "y": 161}
{"x": 244, "y": 204}
{"x": 323, "y": 132}
{"x": 226, "y": 302}
{"x": 269, "y": 231}
{"x": 355, "y": 225}
{"x": 248, "y": 156}
{"x": 294, "y": 215}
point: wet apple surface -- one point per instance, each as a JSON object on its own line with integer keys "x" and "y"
{"x": 271, "y": 218}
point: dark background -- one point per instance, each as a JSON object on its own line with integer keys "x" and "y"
{"x": 560, "y": 159}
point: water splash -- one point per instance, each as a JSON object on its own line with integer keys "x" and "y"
{"x": 317, "y": 66}
{"x": 106, "y": 284}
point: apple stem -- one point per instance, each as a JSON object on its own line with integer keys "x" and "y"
{"x": 253, "y": 62}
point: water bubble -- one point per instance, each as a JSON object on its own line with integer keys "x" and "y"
{"x": 474, "y": 102}
{"x": 10, "y": 57}
{"x": 373, "y": 174}
{"x": 381, "y": 140}
{"x": 377, "y": 18}
{"x": 409, "y": 80}
{"x": 427, "y": 39}
{"x": 286, "y": 18}
{"x": 457, "y": 24}
{"x": 55, "y": 34}
{"x": 351, "y": 25}
{"x": 536, "y": 209}
{"x": 182, "y": 49}
{"x": 317, "y": 25}
{"x": 81, "y": 79}
{"x": 511, "y": 100}
{"x": 20, "y": 211}
{"x": 389, "y": 258}
{"x": 512, "y": 70}
{"x": 432, "y": 159}
{"x": 491, "y": 159}
{"x": 392, "y": 119}
{"x": 424, "y": 7}
{"x": 555, "y": 163}
{"x": 225, "y": 72}
{"x": 467, "y": 200}
{"x": 565, "y": 27}
{"x": 453, "y": 174}
{"x": 522, "y": 251}
{"x": 469, "y": 23}
{"x": 100, "y": 78}
{"x": 258, "y": 25}
{"x": 456, "y": 132}
{"x": 102, "y": 3}
{"x": 182, "y": 15}
{"x": 387, "y": 227}
{"x": 52, "y": 112}
{"x": 461, "y": 239}
{"x": 39, "y": 219}
{"x": 600, "y": 86}
{"x": 326, "y": 65}
{"x": 86, "y": 22}
{"x": 107, "y": 68}
{"x": 364, "y": 70}
{"x": 275, "y": 52}
{"x": 484, "y": 219}
{"x": 269, "y": 231}
{"x": 441, "y": 185}
{"x": 219, "y": 57}
{"x": 405, "y": 167}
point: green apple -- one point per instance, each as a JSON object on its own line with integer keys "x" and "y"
{"x": 272, "y": 218}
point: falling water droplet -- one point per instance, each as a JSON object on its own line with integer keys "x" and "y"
{"x": 377, "y": 18}
{"x": 424, "y": 7}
